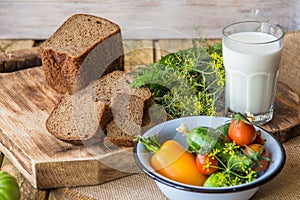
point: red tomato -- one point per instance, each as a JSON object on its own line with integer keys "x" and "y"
{"x": 241, "y": 131}
{"x": 259, "y": 154}
{"x": 206, "y": 164}
{"x": 259, "y": 139}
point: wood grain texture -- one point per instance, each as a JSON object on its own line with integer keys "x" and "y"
{"x": 46, "y": 162}
{"x": 152, "y": 19}
{"x": 137, "y": 53}
{"x": 163, "y": 47}
{"x": 20, "y": 59}
{"x": 14, "y": 45}
{"x": 286, "y": 121}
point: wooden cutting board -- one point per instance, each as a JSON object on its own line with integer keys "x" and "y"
{"x": 25, "y": 103}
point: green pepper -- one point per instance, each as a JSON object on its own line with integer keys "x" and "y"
{"x": 203, "y": 139}
{"x": 9, "y": 187}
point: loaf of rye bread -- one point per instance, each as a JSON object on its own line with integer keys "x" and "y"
{"x": 83, "y": 49}
{"x": 86, "y": 116}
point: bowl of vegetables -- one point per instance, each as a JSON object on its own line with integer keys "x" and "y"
{"x": 204, "y": 157}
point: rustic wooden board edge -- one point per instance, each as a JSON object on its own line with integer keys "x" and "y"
{"x": 101, "y": 169}
{"x": 14, "y": 159}
{"x": 95, "y": 170}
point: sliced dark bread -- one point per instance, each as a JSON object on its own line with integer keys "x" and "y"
{"x": 82, "y": 117}
{"x": 123, "y": 86}
{"x": 116, "y": 137}
{"x": 78, "y": 119}
{"x": 83, "y": 49}
{"x": 104, "y": 88}
{"x": 127, "y": 106}
{"x": 128, "y": 111}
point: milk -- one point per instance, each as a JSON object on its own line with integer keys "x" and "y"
{"x": 251, "y": 71}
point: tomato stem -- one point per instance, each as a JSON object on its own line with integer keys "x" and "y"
{"x": 256, "y": 156}
{"x": 239, "y": 117}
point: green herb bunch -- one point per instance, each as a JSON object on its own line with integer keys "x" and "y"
{"x": 235, "y": 169}
{"x": 187, "y": 82}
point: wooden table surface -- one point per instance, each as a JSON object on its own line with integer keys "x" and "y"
{"x": 153, "y": 19}
{"x": 137, "y": 53}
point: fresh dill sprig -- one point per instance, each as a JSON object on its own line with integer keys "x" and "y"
{"x": 187, "y": 82}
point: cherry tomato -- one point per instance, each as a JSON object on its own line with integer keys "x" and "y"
{"x": 259, "y": 139}
{"x": 206, "y": 164}
{"x": 241, "y": 131}
{"x": 259, "y": 154}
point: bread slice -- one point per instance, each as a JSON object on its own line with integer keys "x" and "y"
{"x": 104, "y": 88}
{"x": 127, "y": 106}
{"x": 128, "y": 113}
{"x": 123, "y": 86}
{"x": 116, "y": 137}
{"x": 82, "y": 117}
{"x": 78, "y": 119}
{"x": 83, "y": 49}
{"x": 108, "y": 105}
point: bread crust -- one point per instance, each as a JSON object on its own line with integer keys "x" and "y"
{"x": 67, "y": 71}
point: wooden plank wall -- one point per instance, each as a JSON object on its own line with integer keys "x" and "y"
{"x": 146, "y": 19}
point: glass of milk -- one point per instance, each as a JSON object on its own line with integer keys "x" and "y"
{"x": 251, "y": 56}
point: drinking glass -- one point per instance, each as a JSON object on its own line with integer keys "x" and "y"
{"x": 251, "y": 56}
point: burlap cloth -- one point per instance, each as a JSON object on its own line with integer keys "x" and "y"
{"x": 141, "y": 187}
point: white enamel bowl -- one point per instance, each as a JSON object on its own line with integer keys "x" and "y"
{"x": 174, "y": 190}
